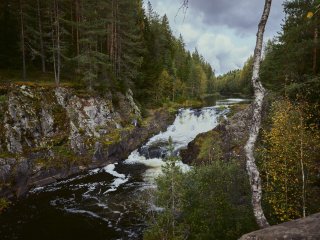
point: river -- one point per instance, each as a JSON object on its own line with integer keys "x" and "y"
{"x": 106, "y": 203}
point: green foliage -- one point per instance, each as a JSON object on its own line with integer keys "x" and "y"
{"x": 291, "y": 63}
{"x": 209, "y": 202}
{"x": 166, "y": 224}
{"x": 210, "y": 148}
{"x": 216, "y": 203}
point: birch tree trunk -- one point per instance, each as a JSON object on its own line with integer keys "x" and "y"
{"x": 302, "y": 165}
{"x": 259, "y": 93}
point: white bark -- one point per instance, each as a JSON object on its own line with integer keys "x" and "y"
{"x": 259, "y": 93}
{"x": 302, "y": 167}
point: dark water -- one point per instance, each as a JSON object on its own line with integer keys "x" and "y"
{"x": 80, "y": 208}
{"x": 106, "y": 203}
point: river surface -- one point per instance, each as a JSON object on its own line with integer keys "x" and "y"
{"x": 106, "y": 203}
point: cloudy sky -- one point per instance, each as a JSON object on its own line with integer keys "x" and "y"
{"x": 223, "y": 30}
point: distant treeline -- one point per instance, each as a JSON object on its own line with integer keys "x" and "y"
{"x": 236, "y": 81}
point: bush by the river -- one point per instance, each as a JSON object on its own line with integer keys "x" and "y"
{"x": 208, "y": 202}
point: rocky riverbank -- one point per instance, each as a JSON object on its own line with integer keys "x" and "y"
{"x": 225, "y": 142}
{"x": 48, "y": 134}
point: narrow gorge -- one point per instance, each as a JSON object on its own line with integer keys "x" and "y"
{"x": 49, "y": 134}
{"x": 110, "y": 195}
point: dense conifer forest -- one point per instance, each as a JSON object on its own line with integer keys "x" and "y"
{"x": 100, "y": 45}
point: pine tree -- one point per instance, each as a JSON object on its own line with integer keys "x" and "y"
{"x": 92, "y": 59}
{"x": 22, "y": 6}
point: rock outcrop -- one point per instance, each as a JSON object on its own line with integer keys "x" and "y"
{"x": 47, "y": 134}
{"x": 225, "y": 142}
{"x": 301, "y": 229}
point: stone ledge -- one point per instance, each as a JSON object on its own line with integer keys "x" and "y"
{"x": 301, "y": 229}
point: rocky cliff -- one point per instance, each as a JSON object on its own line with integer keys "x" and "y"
{"x": 47, "y": 134}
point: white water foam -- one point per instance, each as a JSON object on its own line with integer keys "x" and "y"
{"x": 119, "y": 180}
{"x": 187, "y": 125}
{"x": 86, "y": 212}
{"x": 111, "y": 170}
{"x": 231, "y": 101}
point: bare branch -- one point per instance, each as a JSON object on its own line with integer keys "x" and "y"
{"x": 183, "y": 8}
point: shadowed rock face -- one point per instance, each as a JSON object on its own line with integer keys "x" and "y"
{"x": 301, "y": 229}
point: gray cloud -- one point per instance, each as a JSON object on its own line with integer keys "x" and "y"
{"x": 241, "y": 15}
{"x": 222, "y": 30}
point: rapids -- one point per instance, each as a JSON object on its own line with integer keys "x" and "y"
{"x": 106, "y": 203}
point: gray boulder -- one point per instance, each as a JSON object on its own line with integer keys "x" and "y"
{"x": 301, "y": 229}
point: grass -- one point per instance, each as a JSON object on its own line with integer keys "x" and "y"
{"x": 113, "y": 137}
{"x": 237, "y": 108}
{"x": 34, "y": 78}
{"x": 63, "y": 157}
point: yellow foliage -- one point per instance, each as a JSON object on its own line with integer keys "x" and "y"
{"x": 291, "y": 150}
{"x": 310, "y": 15}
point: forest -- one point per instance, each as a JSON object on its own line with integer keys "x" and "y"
{"x": 116, "y": 47}
{"x": 126, "y": 45}
{"x": 287, "y": 150}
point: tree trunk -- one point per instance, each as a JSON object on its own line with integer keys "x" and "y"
{"x": 77, "y": 26}
{"x": 53, "y": 45}
{"x": 43, "y": 57}
{"x": 72, "y": 21}
{"x": 315, "y": 50}
{"x": 58, "y": 43}
{"x": 23, "y": 50}
{"x": 259, "y": 93}
{"x": 302, "y": 166}
{"x": 112, "y": 37}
